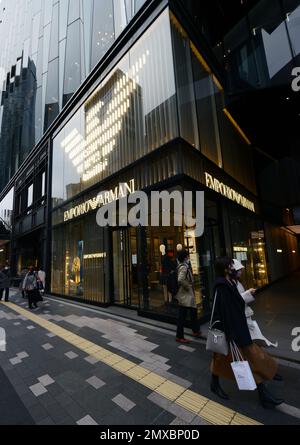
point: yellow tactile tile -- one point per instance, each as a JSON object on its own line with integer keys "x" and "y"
{"x": 210, "y": 411}
{"x": 243, "y": 420}
{"x": 213, "y": 418}
{"x": 67, "y": 335}
{"x": 92, "y": 349}
{"x": 85, "y": 346}
{"x": 191, "y": 401}
{"x": 124, "y": 366}
{"x": 216, "y": 407}
{"x": 137, "y": 373}
{"x": 112, "y": 359}
{"x": 101, "y": 354}
{"x": 170, "y": 390}
{"x": 152, "y": 381}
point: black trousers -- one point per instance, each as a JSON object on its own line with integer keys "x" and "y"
{"x": 31, "y": 297}
{"x": 6, "y": 293}
{"x": 181, "y": 320}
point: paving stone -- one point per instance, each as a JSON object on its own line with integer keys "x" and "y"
{"x": 163, "y": 419}
{"x": 38, "y": 412}
{"x": 56, "y": 412}
{"x": 38, "y": 389}
{"x": 63, "y": 399}
{"x": 46, "y": 380}
{"x": 187, "y": 348}
{"x": 75, "y": 411}
{"x": 91, "y": 360}
{"x": 22, "y": 355}
{"x": 178, "y": 421}
{"x": 124, "y": 403}
{"x": 160, "y": 401}
{"x": 71, "y": 355}
{"x": 95, "y": 382}
{"x": 87, "y": 420}
{"x": 46, "y": 421}
{"x": 198, "y": 421}
{"x": 47, "y": 346}
{"x": 15, "y": 361}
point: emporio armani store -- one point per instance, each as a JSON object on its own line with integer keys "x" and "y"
{"x": 156, "y": 120}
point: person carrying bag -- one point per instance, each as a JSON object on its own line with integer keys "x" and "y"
{"x": 241, "y": 370}
{"x": 31, "y": 288}
{"x": 216, "y": 339}
{"x": 246, "y": 357}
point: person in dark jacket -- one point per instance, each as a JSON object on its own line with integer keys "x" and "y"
{"x": 231, "y": 319}
{"x": 4, "y": 282}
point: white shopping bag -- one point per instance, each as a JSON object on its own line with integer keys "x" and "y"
{"x": 242, "y": 371}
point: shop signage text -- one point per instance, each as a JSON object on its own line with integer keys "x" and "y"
{"x": 228, "y": 192}
{"x": 102, "y": 199}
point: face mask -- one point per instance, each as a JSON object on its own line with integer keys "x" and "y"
{"x": 233, "y": 274}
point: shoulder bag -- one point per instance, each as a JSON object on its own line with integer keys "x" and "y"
{"x": 216, "y": 339}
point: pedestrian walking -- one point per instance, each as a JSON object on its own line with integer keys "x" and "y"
{"x": 229, "y": 316}
{"x": 4, "y": 282}
{"x": 41, "y": 276}
{"x": 30, "y": 287}
{"x": 186, "y": 297}
{"x": 23, "y": 274}
{"x": 249, "y": 297}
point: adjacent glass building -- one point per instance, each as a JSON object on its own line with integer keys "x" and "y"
{"x": 150, "y": 113}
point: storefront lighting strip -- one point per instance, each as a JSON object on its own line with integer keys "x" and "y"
{"x": 200, "y": 406}
{"x": 197, "y": 53}
{"x": 236, "y": 125}
{"x": 207, "y": 68}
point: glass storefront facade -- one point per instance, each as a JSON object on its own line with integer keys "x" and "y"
{"x": 259, "y": 50}
{"x": 153, "y": 115}
{"x": 79, "y": 261}
{"x": 131, "y": 113}
{"x": 6, "y": 220}
{"x": 160, "y": 90}
{"x": 249, "y": 247}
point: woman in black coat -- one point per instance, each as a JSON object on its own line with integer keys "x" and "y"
{"x": 230, "y": 317}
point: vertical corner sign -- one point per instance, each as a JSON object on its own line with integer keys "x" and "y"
{"x": 2, "y": 340}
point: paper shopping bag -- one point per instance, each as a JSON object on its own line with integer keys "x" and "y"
{"x": 243, "y": 376}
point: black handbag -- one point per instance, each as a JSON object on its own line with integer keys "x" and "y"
{"x": 37, "y": 296}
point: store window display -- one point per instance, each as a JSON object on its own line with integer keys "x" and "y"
{"x": 249, "y": 247}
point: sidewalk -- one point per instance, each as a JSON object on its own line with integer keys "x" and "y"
{"x": 277, "y": 310}
{"x": 74, "y": 365}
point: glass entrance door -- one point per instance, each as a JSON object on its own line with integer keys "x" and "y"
{"x": 125, "y": 289}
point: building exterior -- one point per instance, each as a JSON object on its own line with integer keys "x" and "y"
{"x": 108, "y": 94}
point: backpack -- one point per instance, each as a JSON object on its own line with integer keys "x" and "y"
{"x": 172, "y": 282}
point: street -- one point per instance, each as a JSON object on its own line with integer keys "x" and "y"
{"x": 68, "y": 364}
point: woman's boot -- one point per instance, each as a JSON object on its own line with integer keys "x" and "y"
{"x": 266, "y": 398}
{"x": 216, "y": 388}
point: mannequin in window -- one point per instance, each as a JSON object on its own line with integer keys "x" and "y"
{"x": 166, "y": 266}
